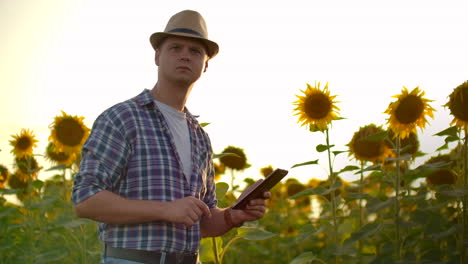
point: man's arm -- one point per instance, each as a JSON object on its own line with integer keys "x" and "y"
{"x": 110, "y": 208}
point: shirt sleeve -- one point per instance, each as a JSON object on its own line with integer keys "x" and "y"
{"x": 104, "y": 158}
{"x": 210, "y": 195}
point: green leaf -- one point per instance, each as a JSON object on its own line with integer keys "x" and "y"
{"x": 50, "y": 256}
{"x": 204, "y": 124}
{"x": 58, "y": 167}
{"x": 376, "y": 204}
{"x": 455, "y": 229}
{"x": 220, "y": 155}
{"x": 206, "y": 251}
{"x": 37, "y": 184}
{"x": 254, "y": 233}
{"x": 313, "y": 162}
{"x": 339, "y": 152}
{"x": 451, "y": 131}
{"x": 366, "y": 231}
{"x": 306, "y": 257}
{"x": 349, "y": 168}
{"x": 453, "y": 192}
{"x": 322, "y": 148}
{"x": 405, "y": 157}
{"x": 319, "y": 190}
{"x": 221, "y": 189}
{"x": 357, "y": 196}
{"x": 307, "y": 231}
{"x": 370, "y": 168}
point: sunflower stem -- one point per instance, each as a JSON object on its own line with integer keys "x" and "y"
{"x": 397, "y": 200}
{"x": 331, "y": 179}
{"x": 464, "y": 217}
{"x": 361, "y": 216}
{"x": 215, "y": 250}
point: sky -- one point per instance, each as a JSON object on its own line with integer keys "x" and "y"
{"x": 84, "y": 56}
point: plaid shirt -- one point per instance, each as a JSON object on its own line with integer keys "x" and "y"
{"x": 131, "y": 152}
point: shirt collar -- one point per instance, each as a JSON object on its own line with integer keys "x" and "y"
{"x": 146, "y": 99}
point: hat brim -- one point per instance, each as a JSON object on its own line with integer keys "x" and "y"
{"x": 212, "y": 47}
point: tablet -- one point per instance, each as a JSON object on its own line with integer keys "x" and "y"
{"x": 257, "y": 192}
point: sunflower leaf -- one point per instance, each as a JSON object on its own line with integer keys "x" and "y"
{"x": 204, "y": 124}
{"x": 338, "y": 152}
{"x": 220, "y": 155}
{"x": 319, "y": 190}
{"x": 322, "y": 148}
{"x": 306, "y": 257}
{"x": 451, "y": 132}
{"x": 312, "y": 162}
{"x": 370, "y": 168}
{"x": 349, "y": 168}
{"x": 254, "y": 233}
{"x": 366, "y": 231}
{"x": 58, "y": 167}
{"x": 221, "y": 189}
{"x": 377, "y": 204}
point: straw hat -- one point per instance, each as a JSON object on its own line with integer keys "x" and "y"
{"x": 189, "y": 24}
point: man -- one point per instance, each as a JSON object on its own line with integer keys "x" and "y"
{"x": 147, "y": 173}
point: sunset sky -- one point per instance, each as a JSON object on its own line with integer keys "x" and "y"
{"x": 84, "y": 56}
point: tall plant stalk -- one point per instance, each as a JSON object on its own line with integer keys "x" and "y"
{"x": 464, "y": 215}
{"x": 397, "y": 201}
{"x": 331, "y": 180}
{"x": 361, "y": 213}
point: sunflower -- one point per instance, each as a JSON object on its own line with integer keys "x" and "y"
{"x": 458, "y": 105}
{"x": 364, "y": 149}
{"x": 219, "y": 170}
{"x": 408, "y": 146}
{"x": 18, "y": 180}
{"x": 4, "y": 173}
{"x": 58, "y": 157}
{"x": 68, "y": 133}
{"x": 28, "y": 165}
{"x": 237, "y": 162}
{"x": 409, "y": 112}
{"x": 316, "y": 107}
{"x": 265, "y": 171}
{"x": 23, "y": 143}
{"x": 441, "y": 176}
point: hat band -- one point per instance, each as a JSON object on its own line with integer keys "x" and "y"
{"x": 185, "y": 30}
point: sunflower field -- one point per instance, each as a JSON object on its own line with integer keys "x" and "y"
{"x": 394, "y": 213}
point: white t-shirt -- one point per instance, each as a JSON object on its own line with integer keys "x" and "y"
{"x": 177, "y": 122}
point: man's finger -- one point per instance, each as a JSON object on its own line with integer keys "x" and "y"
{"x": 206, "y": 211}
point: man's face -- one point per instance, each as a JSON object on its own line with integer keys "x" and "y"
{"x": 181, "y": 60}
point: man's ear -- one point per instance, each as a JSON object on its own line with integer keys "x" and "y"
{"x": 206, "y": 65}
{"x": 156, "y": 57}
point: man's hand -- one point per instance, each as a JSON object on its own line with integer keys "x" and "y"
{"x": 254, "y": 210}
{"x": 187, "y": 211}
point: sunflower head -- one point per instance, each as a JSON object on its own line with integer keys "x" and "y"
{"x": 28, "y": 165}
{"x": 237, "y": 162}
{"x": 265, "y": 171}
{"x": 18, "y": 180}
{"x": 441, "y": 177}
{"x": 316, "y": 107}
{"x": 4, "y": 173}
{"x": 408, "y": 112}
{"x": 59, "y": 157}
{"x": 68, "y": 133}
{"x": 23, "y": 143}
{"x": 408, "y": 145}
{"x": 458, "y": 105}
{"x": 219, "y": 169}
{"x": 364, "y": 149}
